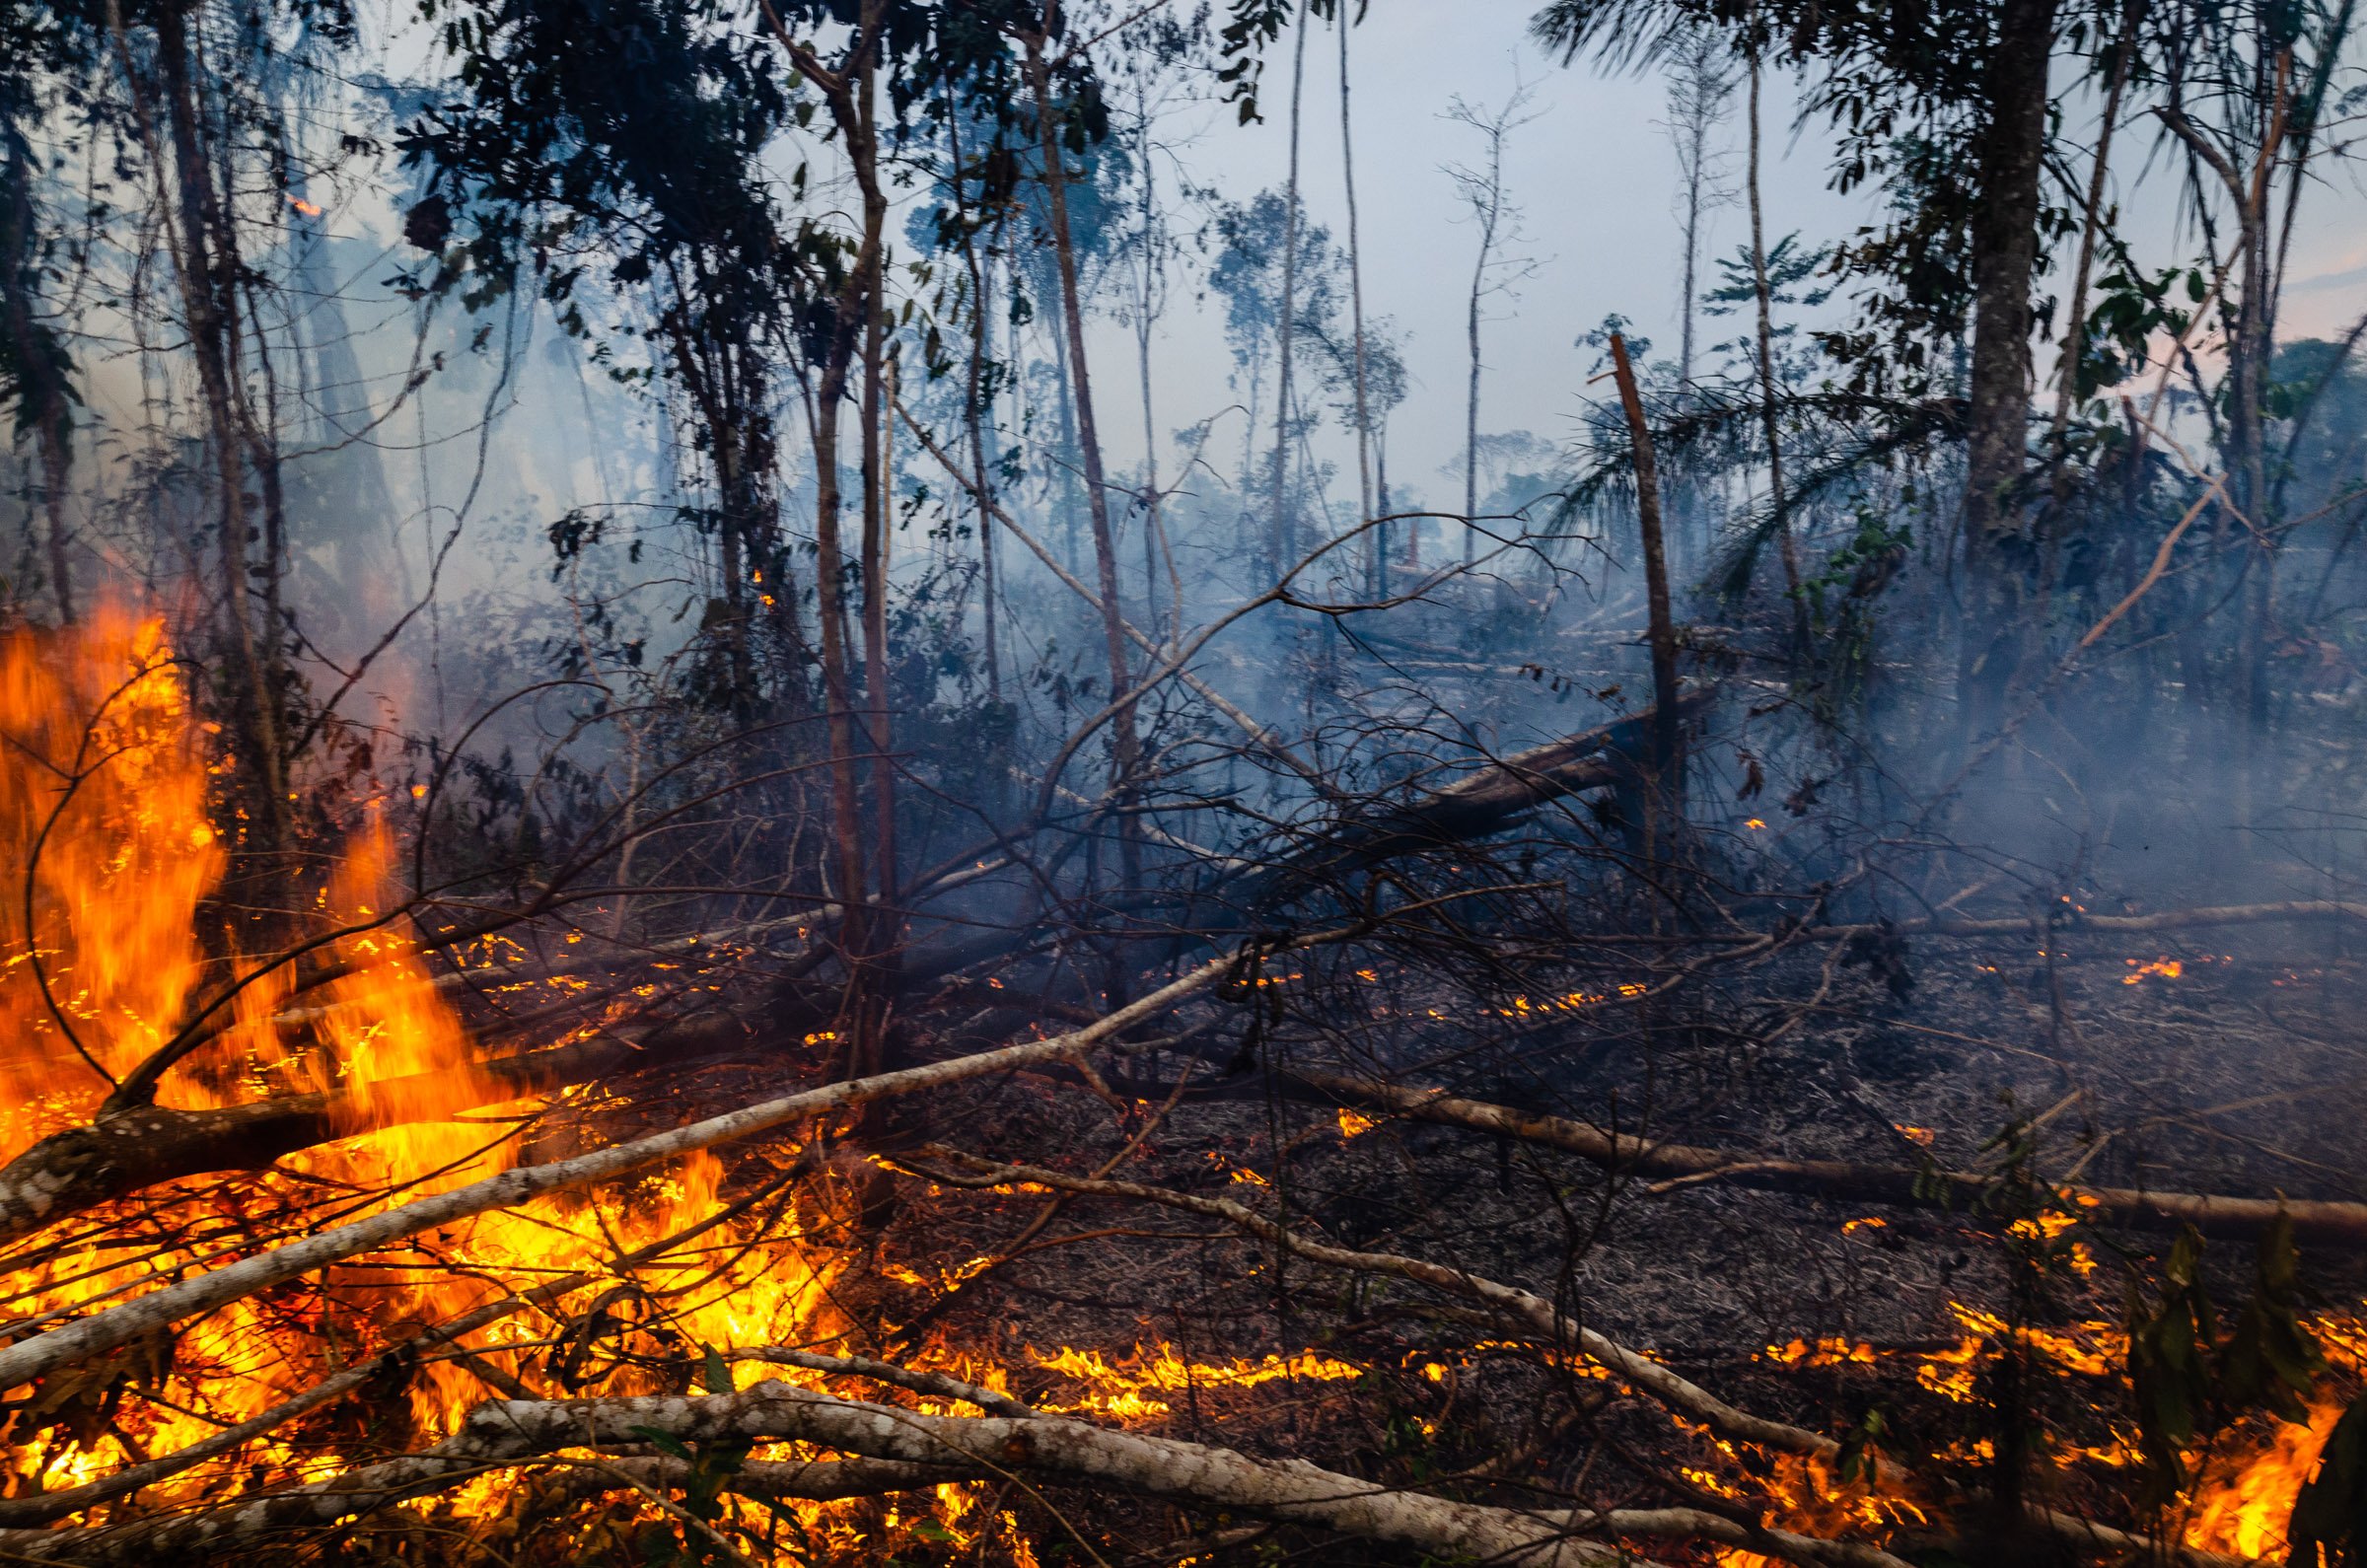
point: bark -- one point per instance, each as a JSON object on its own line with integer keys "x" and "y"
{"x": 1471, "y": 401}
{"x": 868, "y": 1050}
{"x": 1667, "y": 730}
{"x": 505, "y": 1433}
{"x": 1377, "y": 558}
{"x": 1486, "y": 800}
{"x": 1125, "y": 749}
{"x": 935, "y": 1384}
{"x": 1147, "y": 300}
{"x": 43, "y": 393}
{"x": 1771, "y": 426}
{"x": 974, "y": 404}
{"x": 851, "y": 317}
{"x": 1280, "y": 542}
{"x": 209, "y": 295}
{"x": 2005, "y": 247}
{"x": 1624, "y": 1154}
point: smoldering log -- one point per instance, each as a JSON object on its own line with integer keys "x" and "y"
{"x": 2326, "y": 1222}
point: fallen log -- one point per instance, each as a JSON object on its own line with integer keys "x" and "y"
{"x": 2323, "y": 1221}
{"x": 36, "y": 1508}
{"x": 506, "y": 1433}
{"x": 2233, "y": 914}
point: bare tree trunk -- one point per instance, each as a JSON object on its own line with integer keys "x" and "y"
{"x": 1771, "y": 426}
{"x": 2249, "y": 371}
{"x": 209, "y": 291}
{"x": 868, "y": 1050}
{"x": 848, "y": 94}
{"x": 43, "y": 393}
{"x": 1667, "y": 760}
{"x": 1377, "y": 548}
{"x": 1281, "y": 542}
{"x": 1689, "y": 295}
{"x": 1701, "y": 86}
{"x": 989, "y": 589}
{"x": 878, "y": 522}
{"x": 1153, "y": 536}
{"x": 1064, "y": 401}
{"x": 2075, "y": 326}
{"x": 1124, "y": 746}
{"x": 1470, "y": 406}
{"x": 974, "y": 411}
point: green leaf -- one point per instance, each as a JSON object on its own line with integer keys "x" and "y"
{"x": 665, "y": 1442}
{"x": 715, "y": 1373}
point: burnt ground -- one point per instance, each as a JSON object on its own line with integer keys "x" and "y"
{"x": 2242, "y": 1074}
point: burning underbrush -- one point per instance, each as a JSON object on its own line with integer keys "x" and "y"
{"x": 1215, "y": 1296}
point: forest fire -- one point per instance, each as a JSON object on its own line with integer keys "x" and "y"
{"x": 785, "y": 786}
{"x": 106, "y": 800}
{"x": 2239, "y": 1505}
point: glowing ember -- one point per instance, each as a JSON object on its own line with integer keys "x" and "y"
{"x": 1132, "y": 1387}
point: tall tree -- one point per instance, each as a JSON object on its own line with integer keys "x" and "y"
{"x": 1948, "y": 104}
{"x": 1701, "y": 79}
{"x": 1281, "y": 536}
{"x": 1487, "y": 199}
{"x": 37, "y": 385}
{"x": 1063, "y": 125}
{"x": 1377, "y": 550}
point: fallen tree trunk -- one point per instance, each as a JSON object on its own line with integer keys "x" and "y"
{"x": 1623, "y": 1154}
{"x": 1486, "y": 800}
{"x": 36, "y": 1508}
{"x": 2233, "y": 914}
{"x": 2060, "y": 923}
{"x": 505, "y": 1433}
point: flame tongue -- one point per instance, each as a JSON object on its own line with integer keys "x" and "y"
{"x": 106, "y": 777}
{"x": 103, "y": 800}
